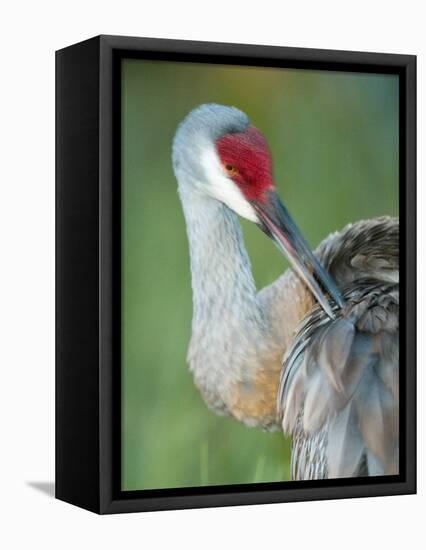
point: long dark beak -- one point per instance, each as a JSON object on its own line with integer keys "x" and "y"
{"x": 277, "y": 223}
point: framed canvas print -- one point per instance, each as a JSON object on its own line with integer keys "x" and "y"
{"x": 235, "y": 274}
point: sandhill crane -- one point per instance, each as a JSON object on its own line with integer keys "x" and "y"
{"x": 316, "y": 352}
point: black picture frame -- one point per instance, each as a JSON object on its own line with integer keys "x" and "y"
{"x": 88, "y": 273}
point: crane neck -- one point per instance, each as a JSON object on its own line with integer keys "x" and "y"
{"x": 232, "y": 343}
{"x": 222, "y": 280}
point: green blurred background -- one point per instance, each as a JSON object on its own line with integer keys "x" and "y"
{"x": 334, "y": 139}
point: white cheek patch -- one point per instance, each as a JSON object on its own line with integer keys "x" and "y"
{"x": 223, "y": 188}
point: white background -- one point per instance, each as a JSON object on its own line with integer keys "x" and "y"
{"x": 30, "y": 31}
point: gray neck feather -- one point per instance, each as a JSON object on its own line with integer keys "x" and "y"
{"x": 229, "y": 330}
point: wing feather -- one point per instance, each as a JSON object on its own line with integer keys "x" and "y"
{"x": 341, "y": 379}
{"x": 339, "y": 390}
{"x": 345, "y": 446}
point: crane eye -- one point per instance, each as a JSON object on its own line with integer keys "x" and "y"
{"x": 231, "y": 169}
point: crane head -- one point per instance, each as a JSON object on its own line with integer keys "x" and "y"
{"x": 218, "y": 152}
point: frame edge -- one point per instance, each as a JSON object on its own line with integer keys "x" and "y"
{"x": 77, "y": 361}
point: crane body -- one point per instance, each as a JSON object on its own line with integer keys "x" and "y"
{"x": 316, "y": 352}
